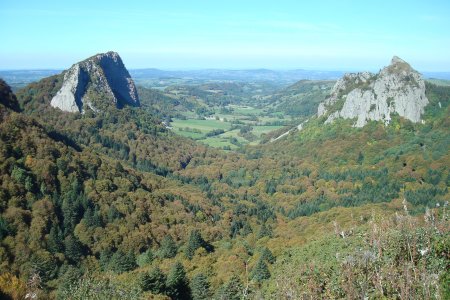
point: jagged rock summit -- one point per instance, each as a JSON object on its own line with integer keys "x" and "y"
{"x": 95, "y": 82}
{"x": 365, "y": 96}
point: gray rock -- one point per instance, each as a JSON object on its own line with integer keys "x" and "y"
{"x": 364, "y": 96}
{"x": 95, "y": 82}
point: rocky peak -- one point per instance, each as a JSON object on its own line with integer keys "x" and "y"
{"x": 96, "y": 82}
{"x": 398, "y": 66}
{"x": 397, "y": 88}
{"x": 397, "y": 60}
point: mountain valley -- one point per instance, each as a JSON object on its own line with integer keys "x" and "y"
{"x": 119, "y": 186}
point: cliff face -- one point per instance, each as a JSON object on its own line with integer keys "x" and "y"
{"x": 365, "y": 96}
{"x": 95, "y": 82}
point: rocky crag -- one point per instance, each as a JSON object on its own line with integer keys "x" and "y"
{"x": 397, "y": 88}
{"x": 96, "y": 82}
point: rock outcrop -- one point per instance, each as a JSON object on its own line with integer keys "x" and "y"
{"x": 397, "y": 88}
{"x": 96, "y": 82}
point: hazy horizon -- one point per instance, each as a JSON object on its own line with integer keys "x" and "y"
{"x": 194, "y": 35}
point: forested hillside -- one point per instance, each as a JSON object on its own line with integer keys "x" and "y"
{"x": 112, "y": 204}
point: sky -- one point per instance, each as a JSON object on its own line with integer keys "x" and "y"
{"x": 194, "y": 34}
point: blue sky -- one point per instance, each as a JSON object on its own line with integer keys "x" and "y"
{"x": 327, "y": 35}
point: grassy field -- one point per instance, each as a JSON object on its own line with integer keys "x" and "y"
{"x": 246, "y": 110}
{"x": 202, "y": 125}
{"x": 189, "y": 134}
{"x": 198, "y": 129}
{"x": 218, "y": 142}
{"x": 258, "y": 130}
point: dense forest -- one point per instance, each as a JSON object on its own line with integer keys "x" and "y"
{"x": 113, "y": 205}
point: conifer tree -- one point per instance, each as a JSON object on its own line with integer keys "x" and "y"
{"x": 105, "y": 259}
{"x": 267, "y": 255}
{"x": 232, "y": 290}
{"x": 264, "y": 231}
{"x": 145, "y": 258}
{"x": 195, "y": 241}
{"x": 44, "y": 264}
{"x": 168, "y": 248}
{"x": 55, "y": 241}
{"x": 144, "y": 281}
{"x": 246, "y": 229}
{"x": 73, "y": 249}
{"x": 70, "y": 276}
{"x": 153, "y": 281}
{"x": 121, "y": 262}
{"x": 260, "y": 272}
{"x": 177, "y": 283}
{"x": 200, "y": 288}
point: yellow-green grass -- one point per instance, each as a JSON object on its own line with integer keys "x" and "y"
{"x": 246, "y": 110}
{"x": 189, "y": 134}
{"x": 202, "y": 125}
{"x": 258, "y": 130}
{"x": 233, "y": 133}
{"x": 218, "y": 142}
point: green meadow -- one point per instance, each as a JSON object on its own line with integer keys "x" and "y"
{"x": 243, "y": 125}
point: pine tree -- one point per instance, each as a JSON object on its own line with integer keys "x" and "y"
{"x": 360, "y": 158}
{"x": 73, "y": 249}
{"x": 232, "y": 290}
{"x": 246, "y": 229}
{"x": 70, "y": 215}
{"x": 121, "y": 262}
{"x": 69, "y": 278}
{"x": 55, "y": 242}
{"x": 105, "y": 259}
{"x": 200, "y": 288}
{"x": 5, "y": 228}
{"x": 92, "y": 217}
{"x": 168, "y": 248}
{"x": 144, "y": 281}
{"x": 264, "y": 231}
{"x": 145, "y": 258}
{"x": 44, "y": 264}
{"x": 267, "y": 255}
{"x": 177, "y": 283}
{"x": 195, "y": 241}
{"x": 156, "y": 281}
{"x": 260, "y": 272}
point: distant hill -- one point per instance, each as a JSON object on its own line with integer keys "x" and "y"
{"x": 277, "y": 76}
{"x": 20, "y": 78}
{"x": 302, "y": 98}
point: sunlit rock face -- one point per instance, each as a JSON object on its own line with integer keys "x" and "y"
{"x": 397, "y": 88}
{"x": 95, "y": 82}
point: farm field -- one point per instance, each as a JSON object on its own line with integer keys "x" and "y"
{"x": 244, "y": 125}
